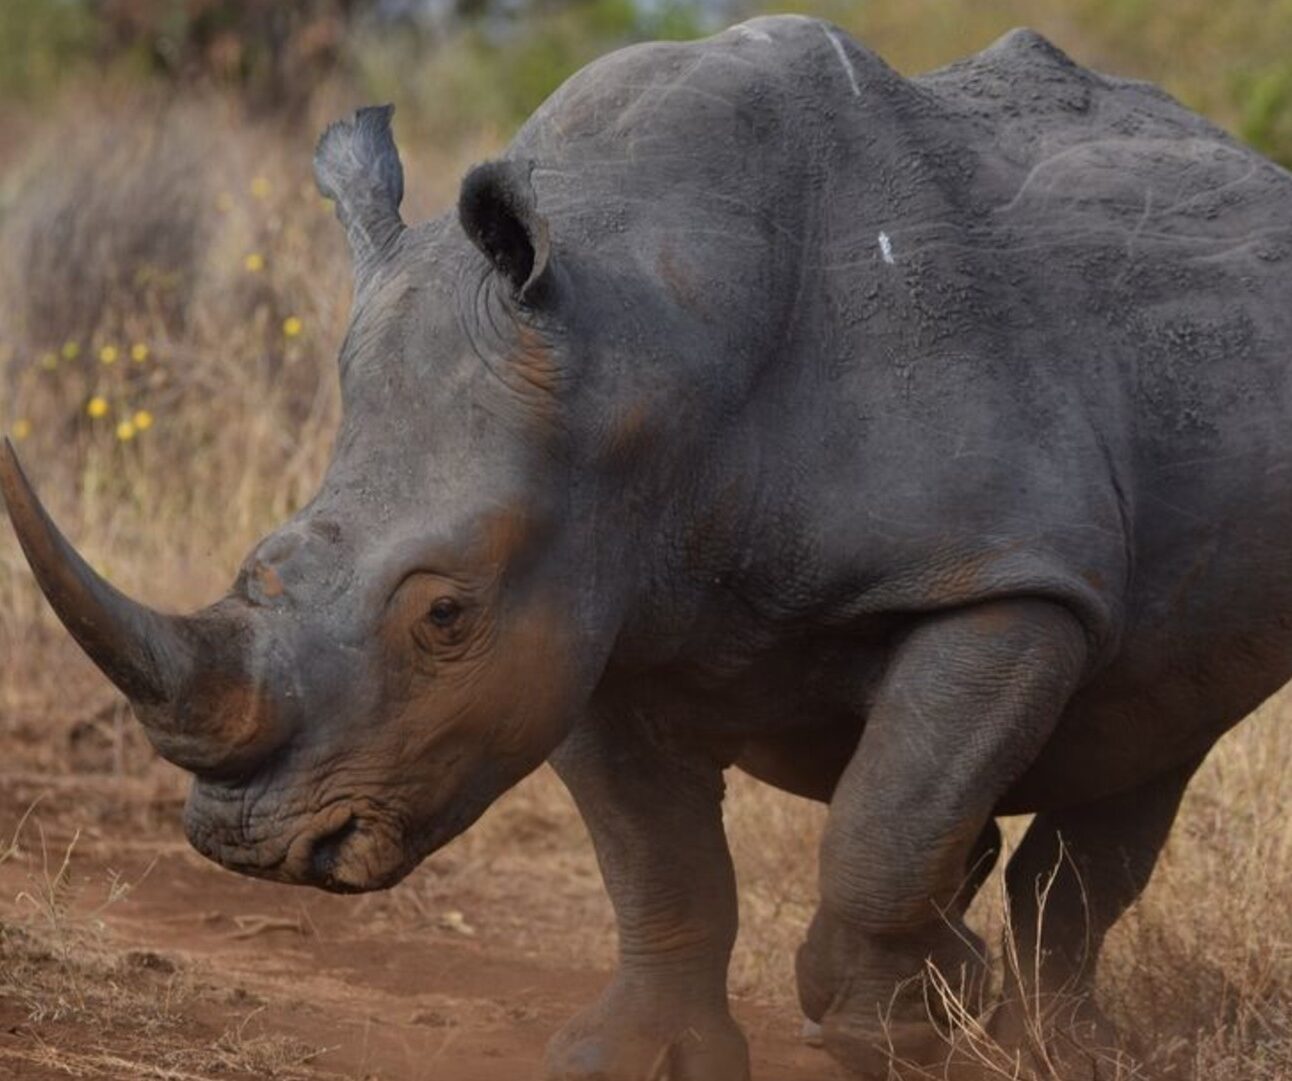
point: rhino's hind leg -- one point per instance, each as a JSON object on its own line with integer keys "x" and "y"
{"x": 655, "y": 818}
{"x": 1071, "y": 879}
{"x": 968, "y": 701}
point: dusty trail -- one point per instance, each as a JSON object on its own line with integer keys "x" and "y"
{"x": 251, "y": 979}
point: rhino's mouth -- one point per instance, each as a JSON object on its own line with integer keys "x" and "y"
{"x": 361, "y": 853}
{"x": 342, "y": 842}
{"x": 350, "y": 846}
{"x": 329, "y": 850}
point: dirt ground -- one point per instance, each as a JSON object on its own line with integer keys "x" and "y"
{"x": 133, "y": 957}
{"x": 125, "y": 955}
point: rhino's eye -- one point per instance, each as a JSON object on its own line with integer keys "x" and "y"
{"x": 444, "y": 612}
{"x": 441, "y": 626}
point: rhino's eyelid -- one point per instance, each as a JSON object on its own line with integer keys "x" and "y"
{"x": 456, "y": 586}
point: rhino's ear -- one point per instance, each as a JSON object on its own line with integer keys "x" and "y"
{"x": 499, "y": 212}
{"x": 357, "y": 166}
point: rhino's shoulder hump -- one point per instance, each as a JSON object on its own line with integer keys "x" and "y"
{"x": 1020, "y": 55}
{"x": 743, "y": 82}
{"x": 1061, "y": 142}
{"x": 1028, "y": 82}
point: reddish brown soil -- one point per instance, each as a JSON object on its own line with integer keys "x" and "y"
{"x": 470, "y": 992}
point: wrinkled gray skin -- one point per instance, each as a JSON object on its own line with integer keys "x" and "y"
{"x": 920, "y": 446}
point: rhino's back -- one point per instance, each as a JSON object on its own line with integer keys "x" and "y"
{"x": 993, "y": 207}
{"x": 1152, "y": 253}
{"x": 1024, "y": 261}
{"x": 1059, "y": 135}
{"x": 1148, "y": 223}
{"x": 1026, "y": 330}
{"x": 1015, "y": 302}
{"x": 790, "y": 110}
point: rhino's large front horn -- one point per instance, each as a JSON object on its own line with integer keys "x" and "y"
{"x": 200, "y": 716}
{"x": 143, "y": 652}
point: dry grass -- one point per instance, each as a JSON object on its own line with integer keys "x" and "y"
{"x": 56, "y": 959}
{"x": 1198, "y": 976}
{"x": 59, "y": 963}
{"x": 155, "y": 225}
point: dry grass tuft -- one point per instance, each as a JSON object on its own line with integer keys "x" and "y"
{"x": 56, "y": 958}
{"x": 1197, "y": 977}
{"x": 242, "y": 1048}
{"x": 60, "y": 964}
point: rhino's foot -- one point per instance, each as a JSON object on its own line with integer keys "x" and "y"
{"x": 1065, "y": 1040}
{"x": 874, "y": 1051}
{"x": 648, "y": 1036}
{"x": 868, "y": 1050}
{"x": 1063, "y": 1036}
{"x": 873, "y": 997}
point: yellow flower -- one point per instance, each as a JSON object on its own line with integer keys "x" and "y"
{"x": 108, "y": 354}
{"x": 139, "y": 352}
{"x": 21, "y": 429}
{"x": 292, "y": 326}
{"x": 142, "y": 420}
{"x": 125, "y": 431}
{"x": 260, "y": 187}
{"x": 97, "y": 407}
{"x": 49, "y": 361}
{"x": 71, "y": 350}
{"x": 254, "y": 263}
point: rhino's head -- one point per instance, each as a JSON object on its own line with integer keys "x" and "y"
{"x": 421, "y": 635}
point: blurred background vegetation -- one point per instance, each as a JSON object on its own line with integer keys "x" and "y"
{"x": 159, "y": 230}
{"x": 170, "y": 279}
{"x": 455, "y": 65}
{"x": 162, "y": 247}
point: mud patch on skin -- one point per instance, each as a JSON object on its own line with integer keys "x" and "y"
{"x": 504, "y": 535}
{"x": 680, "y": 284}
{"x": 270, "y": 584}
{"x": 629, "y": 432}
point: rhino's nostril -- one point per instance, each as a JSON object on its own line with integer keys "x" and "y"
{"x": 327, "y": 849}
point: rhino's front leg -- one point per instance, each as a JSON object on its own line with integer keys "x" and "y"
{"x": 655, "y": 817}
{"x": 969, "y": 699}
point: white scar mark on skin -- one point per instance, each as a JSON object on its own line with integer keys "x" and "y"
{"x": 886, "y": 248}
{"x": 843, "y": 59}
{"x": 750, "y": 32}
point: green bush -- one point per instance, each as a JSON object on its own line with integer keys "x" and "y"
{"x": 40, "y": 42}
{"x": 488, "y": 63}
{"x": 493, "y": 72}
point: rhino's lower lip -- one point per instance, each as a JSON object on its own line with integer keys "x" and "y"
{"x": 353, "y": 853}
{"x": 338, "y": 866}
{"x": 327, "y": 849}
{"x": 335, "y": 866}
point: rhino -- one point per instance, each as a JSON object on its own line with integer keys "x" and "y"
{"x": 916, "y": 445}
